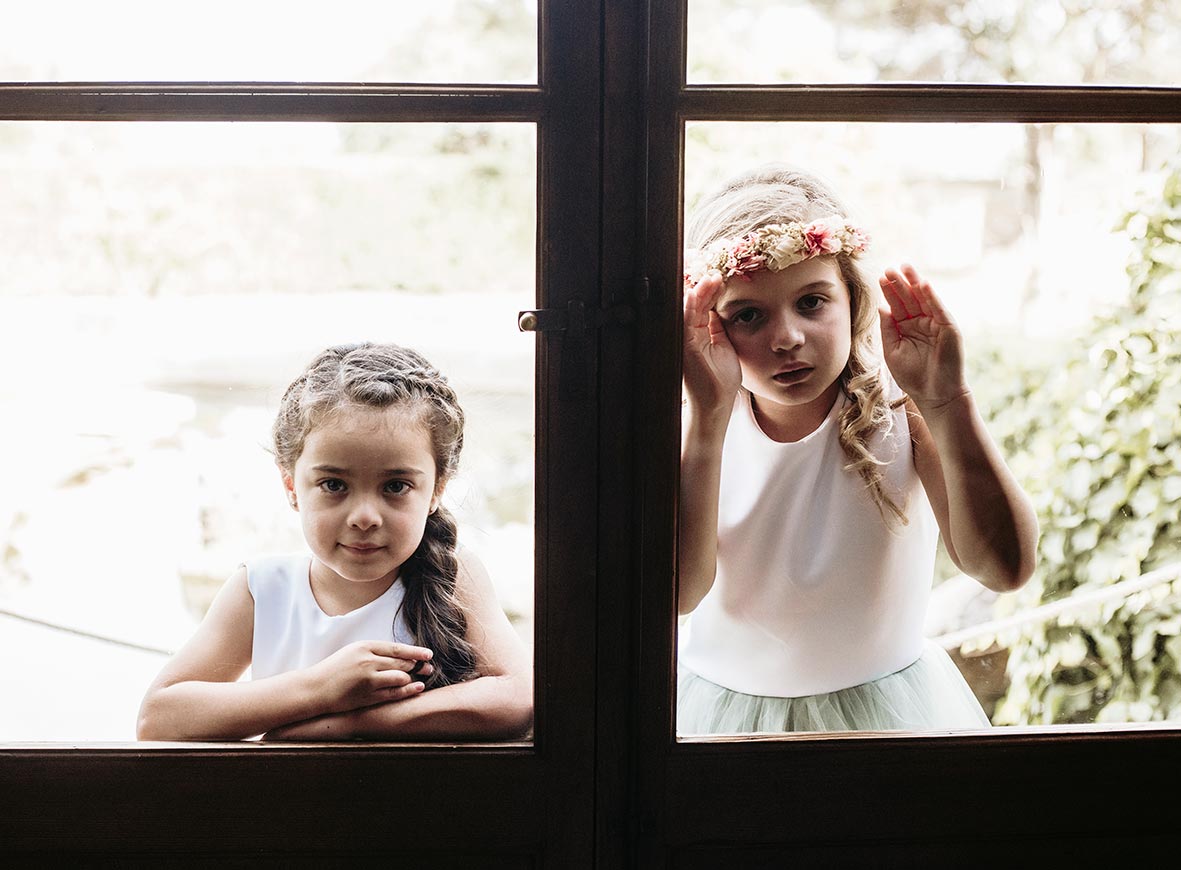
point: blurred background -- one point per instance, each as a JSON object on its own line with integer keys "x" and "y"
{"x": 162, "y": 283}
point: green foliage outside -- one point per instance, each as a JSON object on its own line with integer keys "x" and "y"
{"x": 1094, "y": 434}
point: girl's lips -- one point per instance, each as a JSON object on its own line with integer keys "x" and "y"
{"x": 793, "y": 376}
{"x": 362, "y": 548}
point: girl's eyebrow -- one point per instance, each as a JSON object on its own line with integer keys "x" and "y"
{"x": 735, "y": 303}
{"x": 389, "y": 472}
{"x": 821, "y": 284}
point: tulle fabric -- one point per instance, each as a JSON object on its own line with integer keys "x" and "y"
{"x": 930, "y": 694}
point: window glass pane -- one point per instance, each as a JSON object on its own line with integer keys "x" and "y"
{"x": 272, "y": 40}
{"x": 1041, "y": 41}
{"x": 163, "y": 283}
{"x": 1057, "y": 248}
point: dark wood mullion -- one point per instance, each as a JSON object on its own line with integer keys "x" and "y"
{"x": 1029, "y": 104}
{"x": 569, "y": 233}
{"x": 259, "y": 101}
{"x": 658, "y": 381}
{"x": 621, "y": 643}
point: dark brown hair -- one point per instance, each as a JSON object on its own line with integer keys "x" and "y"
{"x": 385, "y": 376}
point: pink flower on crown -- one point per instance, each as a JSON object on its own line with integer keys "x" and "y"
{"x": 745, "y": 257}
{"x": 823, "y": 236}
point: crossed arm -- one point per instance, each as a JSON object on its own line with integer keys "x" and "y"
{"x": 496, "y": 705}
{"x": 364, "y": 690}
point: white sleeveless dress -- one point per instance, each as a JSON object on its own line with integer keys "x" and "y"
{"x": 290, "y": 629}
{"x": 815, "y": 618}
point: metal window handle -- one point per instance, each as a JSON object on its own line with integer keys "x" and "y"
{"x": 573, "y": 324}
{"x": 573, "y": 318}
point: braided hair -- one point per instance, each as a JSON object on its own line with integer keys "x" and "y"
{"x": 383, "y": 376}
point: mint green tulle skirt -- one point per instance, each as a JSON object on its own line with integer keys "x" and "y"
{"x": 929, "y": 695}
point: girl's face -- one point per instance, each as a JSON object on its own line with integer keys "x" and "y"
{"x": 792, "y": 332}
{"x": 363, "y": 487}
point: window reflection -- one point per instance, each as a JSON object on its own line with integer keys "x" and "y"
{"x": 1058, "y": 250}
{"x": 162, "y": 284}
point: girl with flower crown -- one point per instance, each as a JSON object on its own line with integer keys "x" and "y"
{"x": 385, "y": 629}
{"x": 829, "y": 440}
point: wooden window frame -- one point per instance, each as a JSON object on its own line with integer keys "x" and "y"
{"x": 512, "y": 805}
{"x": 605, "y": 784}
{"x": 905, "y": 799}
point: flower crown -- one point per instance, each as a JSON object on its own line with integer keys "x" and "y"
{"x": 775, "y": 247}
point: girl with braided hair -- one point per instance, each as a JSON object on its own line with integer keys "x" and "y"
{"x": 830, "y": 438}
{"x": 386, "y": 630}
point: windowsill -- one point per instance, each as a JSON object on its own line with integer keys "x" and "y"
{"x": 1001, "y": 733}
{"x": 249, "y": 746}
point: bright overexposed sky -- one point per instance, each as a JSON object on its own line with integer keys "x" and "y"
{"x": 215, "y": 40}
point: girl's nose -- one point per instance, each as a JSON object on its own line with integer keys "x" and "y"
{"x": 364, "y": 515}
{"x": 788, "y": 334}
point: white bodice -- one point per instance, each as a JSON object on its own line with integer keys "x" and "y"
{"x": 814, "y": 591}
{"x": 290, "y": 629}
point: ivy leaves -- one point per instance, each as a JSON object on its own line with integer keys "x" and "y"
{"x": 1096, "y": 440}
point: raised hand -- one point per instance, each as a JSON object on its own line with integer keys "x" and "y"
{"x": 370, "y": 672}
{"x": 920, "y": 340}
{"x": 711, "y": 369}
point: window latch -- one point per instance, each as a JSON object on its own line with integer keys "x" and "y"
{"x": 573, "y": 324}
{"x": 574, "y": 318}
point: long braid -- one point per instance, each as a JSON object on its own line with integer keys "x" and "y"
{"x": 440, "y": 624}
{"x": 383, "y": 376}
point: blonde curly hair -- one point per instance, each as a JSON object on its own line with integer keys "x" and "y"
{"x": 777, "y": 194}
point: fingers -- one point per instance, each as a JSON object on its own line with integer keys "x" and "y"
{"x": 890, "y": 331}
{"x": 409, "y": 690}
{"x": 402, "y": 651}
{"x": 709, "y": 289}
{"x": 931, "y": 304}
{"x": 413, "y": 668}
{"x": 394, "y": 685}
{"x": 910, "y": 296}
{"x": 701, "y": 298}
{"x": 717, "y": 331}
{"x": 421, "y": 669}
{"x": 899, "y": 296}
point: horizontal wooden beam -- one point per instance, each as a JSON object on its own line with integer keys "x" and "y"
{"x": 263, "y": 101}
{"x": 869, "y": 788}
{"x": 176, "y": 798}
{"x": 891, "y": 102}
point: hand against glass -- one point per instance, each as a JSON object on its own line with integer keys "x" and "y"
{"x": 711, "y": 370}
{"x": 920, "y": 340}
